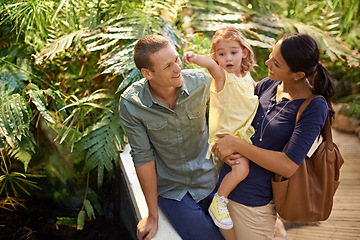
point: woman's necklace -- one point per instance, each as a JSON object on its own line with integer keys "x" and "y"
{"x": 262, "y": 128}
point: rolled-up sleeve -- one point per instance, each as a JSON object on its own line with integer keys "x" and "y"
{"x": 141, "y": 150}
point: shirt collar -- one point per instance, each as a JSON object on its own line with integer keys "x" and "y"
{"x": 184, "y": 92}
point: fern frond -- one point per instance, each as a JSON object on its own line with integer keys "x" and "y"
{"x": 80, "y": 109}
{"x": 23, "y": 150}
{"x": 11, "y": 80}
{"x": 37, "y": 97}
{"x": 333, "y": 48}
{"x": 101, "y": 141}
{"x": 222, "y": 13}
{"x": 60, "y": 45}
{"x": 14, "y": 118}
{"x": 133, "y": 76}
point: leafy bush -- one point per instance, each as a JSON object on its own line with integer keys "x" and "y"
{"x": 64, "y": 66}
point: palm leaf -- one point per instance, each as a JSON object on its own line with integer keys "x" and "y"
{"x": 102, "y": 141}
{"x": 120, "y": 37}
{"x": 211, "y": 17}
{"x": 14, "y": 118}
{"x": 60, "y": 45}
{"x": 37, "y": 97}
{"x": 334, "y": 48}
{"x": 11, "y": 80}
{"x": 133, "y": 76}
{"x": 23, "y": 150}
{"x": 80, "y": 109}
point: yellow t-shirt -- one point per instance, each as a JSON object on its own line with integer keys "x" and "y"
{"x": 232, "y": 109}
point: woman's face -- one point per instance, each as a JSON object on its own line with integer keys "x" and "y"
{"x": 278, "y": 68}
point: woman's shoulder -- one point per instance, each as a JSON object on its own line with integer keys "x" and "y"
{"x": 264, "y": 85}
{"x": 267, "y": 82}
{"x": 317, "y": 109}
{"x": 319, "y": 102}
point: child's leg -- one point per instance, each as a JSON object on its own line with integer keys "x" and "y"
{"x": 233, "y": 178}
{"x": 218, "y": 210}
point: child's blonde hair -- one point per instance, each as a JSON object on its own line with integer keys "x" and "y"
{"x": 233, "y": 34}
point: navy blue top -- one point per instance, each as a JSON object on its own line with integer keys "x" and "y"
{"x": 255, "y": 189}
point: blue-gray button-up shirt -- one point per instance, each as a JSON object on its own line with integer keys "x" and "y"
{"x": 177, "y": 140}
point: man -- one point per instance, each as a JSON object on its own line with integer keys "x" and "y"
{"x": 164, "y": 115}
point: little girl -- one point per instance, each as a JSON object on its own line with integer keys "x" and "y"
{"x": 232, "y": 106}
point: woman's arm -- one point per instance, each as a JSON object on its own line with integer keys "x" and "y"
{"x": 214, "y": 69}
{"x": 273, "y": 161}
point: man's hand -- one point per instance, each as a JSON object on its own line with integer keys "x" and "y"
{"x": 147, "y": 228}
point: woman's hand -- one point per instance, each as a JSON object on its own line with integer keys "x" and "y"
{"x": 225, "y": 146}
{"x": 233, "y": 159}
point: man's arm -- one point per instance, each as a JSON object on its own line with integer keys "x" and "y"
{"x": 148, "y": 226}
{"x": 145, "y": 170}
{"x": 214, "y": 69}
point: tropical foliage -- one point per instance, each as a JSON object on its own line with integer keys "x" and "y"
{"x": 64, "y": 64}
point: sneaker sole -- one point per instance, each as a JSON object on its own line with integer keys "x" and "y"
{"x": 219, "y": 224}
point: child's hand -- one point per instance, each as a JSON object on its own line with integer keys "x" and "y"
{"x": 189, "y": 57}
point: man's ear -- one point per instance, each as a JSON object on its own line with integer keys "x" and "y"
{"x": 146, "y": 73}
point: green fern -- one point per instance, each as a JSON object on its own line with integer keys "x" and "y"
{"x": 10, "y": 81}
{"x": 333, "y": 47}
{"x": 37, "y": 97}
{"x": 133, "y": 76}
{"x": 122, "y": 36}
{"x": 102, "y": 143}
{"x": 209, "y": 17}
{"x": 60, "y": 45}
{"x": 14, "y": 118}
{"x": 81, "y": 108}
{"x": 23, "y": 150}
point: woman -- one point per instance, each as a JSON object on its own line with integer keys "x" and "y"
{"x": 295, "y": 73}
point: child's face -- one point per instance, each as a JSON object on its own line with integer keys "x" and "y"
{"x": 229, "y": 55}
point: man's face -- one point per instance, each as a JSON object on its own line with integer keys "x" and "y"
{"x": 166, "y": 70}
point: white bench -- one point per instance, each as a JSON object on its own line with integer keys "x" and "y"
{"x": 165, "y": 230}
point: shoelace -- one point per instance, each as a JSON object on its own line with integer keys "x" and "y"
{"x": 222, "y": 207}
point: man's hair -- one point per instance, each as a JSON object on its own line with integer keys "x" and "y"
{"x": 146, "y": 46}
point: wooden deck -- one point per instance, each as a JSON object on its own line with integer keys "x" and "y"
{"x": 344, "y": 221}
